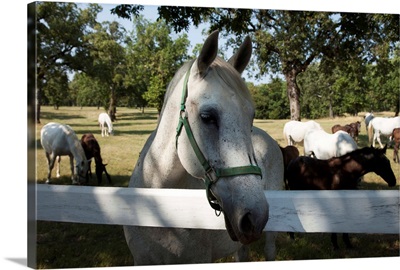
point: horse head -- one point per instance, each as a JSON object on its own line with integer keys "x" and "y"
{"x": 100, "y": 168}
{"x": 381, "y": 165}
{"x": 81, "y": 171}
{"x": 217, "y": 114}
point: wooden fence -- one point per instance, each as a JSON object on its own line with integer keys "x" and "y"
{"x": 355, "y": 211}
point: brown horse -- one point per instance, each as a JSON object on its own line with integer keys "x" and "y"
{"x": 344, "y": 172}
{"x": 396, "y": 139}
{"x": 92, "y": 150}
{"x": 352, "y": 129}
{"x": 289, "y": 153}
{"x": 357, "y": 128}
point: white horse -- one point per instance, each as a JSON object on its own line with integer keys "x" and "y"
{"x": 326, "y": 145}
{"x": 205, "y": 139}
{"x": 294, "y": 131}
{"x": 382, "y": 126}
{"x": 104, "y": 119}
{"x": 60, "y": 140}
{"x": 367, "y": 118}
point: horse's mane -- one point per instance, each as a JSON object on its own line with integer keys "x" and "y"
{"x": 365, "y": 154}
{"x": 74, "y": 143}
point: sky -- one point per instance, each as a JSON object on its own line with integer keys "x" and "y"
{"x": 13, "y": 53}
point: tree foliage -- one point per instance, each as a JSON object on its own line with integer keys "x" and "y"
{"x": 287, "y": 42}
{"x": 60, "y": 32}
{"x": 108, "y": 54}
{"x": 329, "y": 63}
{"x": 153, "y": 58}
{"x": 270, "y": 99}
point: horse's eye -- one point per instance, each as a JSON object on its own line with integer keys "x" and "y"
{"x": 208, "y": 118}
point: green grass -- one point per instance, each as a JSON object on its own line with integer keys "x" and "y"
{"x": 66, "y": 245}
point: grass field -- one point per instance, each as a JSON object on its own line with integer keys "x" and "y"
{"x": 66, "y": 245}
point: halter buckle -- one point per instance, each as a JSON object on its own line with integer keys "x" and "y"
{"x": 212, "y": 175}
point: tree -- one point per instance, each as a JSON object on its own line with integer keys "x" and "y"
{"x": 56, "y": 88}
{"x": 288, "y": 42}
{"x": 108, "y": 55}
{"x": 89, "y": 91}
{"x": 60, "y": 28}
{"x": 269, "y": 99}
{"x": 152, "y": 59}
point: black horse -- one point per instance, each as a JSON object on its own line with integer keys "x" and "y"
{"x": 92, "y": 150}
{"x": 345, "y": 172}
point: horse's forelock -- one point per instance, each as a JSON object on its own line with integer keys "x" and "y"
{"x": 228, "y": 74}
{"x": 231, "y": 77}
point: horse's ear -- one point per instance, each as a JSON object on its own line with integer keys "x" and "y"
{"x": 384, "y": 149}
{"x": 208, "y": 53}
{"x": 242, "y": 57}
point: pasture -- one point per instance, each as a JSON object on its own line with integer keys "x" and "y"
{"x": 61, "y": 245}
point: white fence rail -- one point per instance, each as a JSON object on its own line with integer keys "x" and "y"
{"x": 357, "y": 211}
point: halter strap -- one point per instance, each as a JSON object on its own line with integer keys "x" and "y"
{"x": 211, "y": 174}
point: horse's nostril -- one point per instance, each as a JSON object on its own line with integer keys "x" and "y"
{"x": 246, "y": 224}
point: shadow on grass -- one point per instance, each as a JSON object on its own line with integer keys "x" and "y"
{"x": 363, "y": 141}
{"x": 59, "y": 116}
{"x": 132, "y": 132}
{"x": 137, "y": 116}
{"x": 116, "y": 180}
{"x": 67, "y": 245}
{"x": 376, "y": 186}
{"x": 130, "y": 124}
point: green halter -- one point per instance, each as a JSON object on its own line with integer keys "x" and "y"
{"x": 212, "y": 174}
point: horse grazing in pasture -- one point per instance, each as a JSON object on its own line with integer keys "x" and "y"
{"x": 306, "y": 173}
{"x": 92, "y": 149}
{"x": 324, "y": 145}
{"x": 367, "y": 118}
{"x": 396, "y": 140}
{"x": 353, "y": 129}
{"x": 104, "y": 119}
{"x": 346, "y": 128}
{"x": 60, "y": 140}
{"x": 357, "y": 127}
{"x": 381, "y": 125}
{"x": 294, "y": 131}
{"x": 289, "y": 153}
{"x": 205, "y": 140}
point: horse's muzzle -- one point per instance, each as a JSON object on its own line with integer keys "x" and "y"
{"x": 248, "y": 228}
{"x": 246, "y": 213}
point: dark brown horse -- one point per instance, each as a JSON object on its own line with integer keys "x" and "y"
{"x": 357, "y": 127}
{"x": 92, "y": 150}
{"x": 289, "y": 153}
{"x": 352, "y": 129}
{"x": 396, "y": 140}
{"x": 305, "y": 173}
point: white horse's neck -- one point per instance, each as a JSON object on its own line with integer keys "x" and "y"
{"x": 109, "y": 124}
{"x": 160, "y": 151}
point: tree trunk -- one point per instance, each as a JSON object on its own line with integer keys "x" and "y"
{"x": 38, "y": 101}
{"x": 293, "y": 92}
{"x": 112, "y": 109}
{"x": 330, "y": 108}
